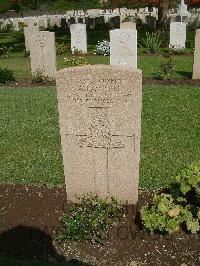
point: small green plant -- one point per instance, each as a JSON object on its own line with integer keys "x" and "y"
{"x": 77, "y": 61}
{"x": 5, "y": 51}
{"x": 90, "y": 219}
{"x": 6, "y": 75}
{"x": 166, "y": 215}
{"x": 189, "y": 180}
{"x": 152, "y": 42}
{"x": 61, "y": 48}
{"x": 26, "y": 53}
{"x": 166, "y": 66}
{"x": 39, "y": 78}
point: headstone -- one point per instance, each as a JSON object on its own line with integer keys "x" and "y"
{"x": 78, "y": 38}
{"x": 43, "y": 54}
{"x": 128, "y": 25}
{"x": 100, "y": 123}
{"x": 123, "y": 47}
{"x": 28, "y": 34}
{"x": 182, "y": 10}
{"x": 15, "y": 25}
{"x": 177, "y": 35}
{"x": 196, "y": 64}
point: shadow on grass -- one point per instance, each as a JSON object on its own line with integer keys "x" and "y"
{"x": 185, "y": 74}
{"x": 24, "y": 245}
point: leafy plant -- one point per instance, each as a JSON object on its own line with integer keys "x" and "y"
{"x": 103, "y": 48}
{"x": 61, "y": 48}
{"x": 26, "y": 53}
{"x": 90, "y": 218}
{"x": 5, "y": 51}
{"x": 152, "y": 42}
{"x": 166, "y": 66}
{"x": 6, "y": 75}
{"x": 165, "y": 215}
{"x": 77, "y": 61}
{"x": 189, "y": 179}
{"x": 39, "y": 78}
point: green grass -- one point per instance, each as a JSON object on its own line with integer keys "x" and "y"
{"x": 170, "y": 133}
{"x": 150, "y": 64}
{"x": 30, "y": 141}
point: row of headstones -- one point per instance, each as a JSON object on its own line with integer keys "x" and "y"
{"x": 41, "y": 45}
{"x": 123, "y": 46}
{"x": 147, "y": 15}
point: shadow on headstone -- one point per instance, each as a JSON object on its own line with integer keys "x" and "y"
{"x": 30, "y": 243}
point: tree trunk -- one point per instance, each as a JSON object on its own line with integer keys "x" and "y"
{"x": 162, "y": 15}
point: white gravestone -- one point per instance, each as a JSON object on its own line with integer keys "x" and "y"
{"x": 100, "y": 124}
{"x": 177, "y": 35}
{"x": 78, "y": 38}
{"x": 28, "y": 34}
{"x": 123, "y": 47}
{"x": 43, "y": 54}
{"x": 196, "y": 64}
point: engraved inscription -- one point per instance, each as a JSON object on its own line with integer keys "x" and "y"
{"x": 99, "y": 132}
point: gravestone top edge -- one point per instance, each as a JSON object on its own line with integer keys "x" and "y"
{"x": 99, "y": 68}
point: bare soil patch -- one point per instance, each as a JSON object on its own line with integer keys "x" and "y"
{"x": 29, "y": 222}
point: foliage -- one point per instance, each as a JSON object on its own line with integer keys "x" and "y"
{"x": 103, "y": 48}
{"x": 90, "y": 218}
{"x": 61, "y": 48}
{"x": 26, "y": 53}
{"x": 152, "y": 42}
{"x": 169, "y": 213}
{"x": 166, "y": 66}
{"x": 189, "y": 179}
{"x": 39, "y": 78}
{"x": 7, "y": 28}
{"x": 166, "y": 215}
{"x": 4, "y": 51}
{"x": 77, "y": 61}
{"x": 21, "y": 25}
{"x": 6, "y": 75}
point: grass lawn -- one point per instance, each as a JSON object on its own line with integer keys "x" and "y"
{"x": 148, "y": 63}
{"x": 30, "y": 142}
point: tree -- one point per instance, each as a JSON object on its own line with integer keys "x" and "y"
{"x": 163, "y": 7}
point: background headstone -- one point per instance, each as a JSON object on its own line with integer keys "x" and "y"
{"x": 123, "y": 47}
{"x": 196, "y": 64}
{"x": 28, "y": 34}
{"x": 43, "y": 54}
{"x": 128, "y": 25}
{"x": 100, "y": 124}
{"x": 78, "y": 38}
{"x": 177, "y": 35}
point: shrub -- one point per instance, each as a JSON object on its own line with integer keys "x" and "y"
{"x": 103, "y": 48}
{"x": 5, "y": 51}
{"x": 6, "y": 75}
{"x": 90, "y": 219}
{"x": 39, "y": 78}
{"x": 152, "y": 42}
{"x": 78, "y": 61}
{"x": 189, "y": 180}
{"x": 169, "y": 213}
{"x": 165, "y": 215}
{"x": 166, "y": 67}
{"x": 26, "y": 53}
{"x": 61, "y": 48}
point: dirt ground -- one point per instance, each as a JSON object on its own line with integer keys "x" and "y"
{"x": 30, "y": 215}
